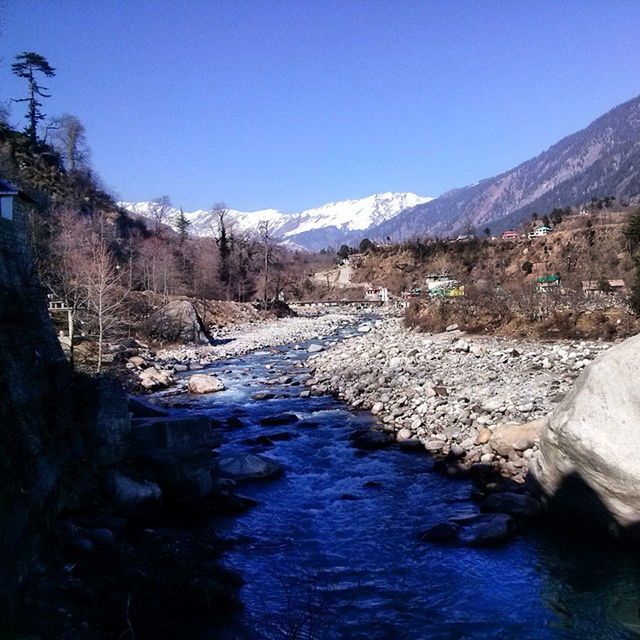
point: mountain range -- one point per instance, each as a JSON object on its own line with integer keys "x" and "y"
{"x": 332, "y": 224}
{"x": 599, "y": 161}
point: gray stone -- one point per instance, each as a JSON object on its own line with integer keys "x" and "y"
{"x": 135, "y": 498}
{"x": 589, "y": 462}
{"x": 178, "y": 321}
{"x": 515, "y": 504}
{"x": 204, "y": 383}
{"x": 245, "y": 467}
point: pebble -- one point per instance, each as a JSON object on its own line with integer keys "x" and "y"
{"x": 450, "y": 390}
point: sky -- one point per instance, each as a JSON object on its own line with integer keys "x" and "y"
{"x": 291, "y": 104}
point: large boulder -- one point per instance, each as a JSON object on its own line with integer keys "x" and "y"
{"x": 588, "y": 467}
{"x": 371, "y": 439}
{"x": 204, "y": 383}
{"x": 244, "y": 467}
{"x": 153, "y": 379}
{"x": 178, "y": 321}
{"x": 482, "y": 530}
{"x": 135, "y": 498}
{"x": 179, "y": 434}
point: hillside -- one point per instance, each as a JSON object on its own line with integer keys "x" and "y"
{"x": 601, "y": 160}
{"x": 498, "y": 288}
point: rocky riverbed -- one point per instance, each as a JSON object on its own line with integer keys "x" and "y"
{"x": 156, "y": 370}
{"x": 467, "y": 399}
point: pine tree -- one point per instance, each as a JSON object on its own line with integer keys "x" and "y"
{"x": 27, "y": 65}
{"x": 182, "y": 224}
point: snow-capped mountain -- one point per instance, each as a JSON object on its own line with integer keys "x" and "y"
{"x": 332, "y": 224}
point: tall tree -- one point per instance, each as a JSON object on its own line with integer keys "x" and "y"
{"x": 104, "y": 290}
{"x": 70, "y": 140}
{"x": 265, "y": 232}
{"x": 159, "y": 210}
{"x": 221, "y": 234}
{"x": 182, "y": 224}
{"x": 28, "y": 65}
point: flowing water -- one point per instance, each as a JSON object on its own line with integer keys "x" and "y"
{"x": 331, "y": 550}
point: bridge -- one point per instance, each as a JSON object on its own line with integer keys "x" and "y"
{"x": 337, "y": 303}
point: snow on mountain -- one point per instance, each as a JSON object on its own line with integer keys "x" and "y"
{"x": 332, "y": 223}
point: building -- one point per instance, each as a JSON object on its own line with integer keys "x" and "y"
{"x": 539, "y": 232}
{"x": 8, "y": 194}
{"x": 547, "y": 283}
{"x": 510, "y": 234}
{"x": 591, "y": 287}
{"x": 376, "y": 294}
{"x": 443, "y": 285}
{"x": 416, "y": 292}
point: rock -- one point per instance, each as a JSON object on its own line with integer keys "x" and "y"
{"x": 474, "y": 531}
{"x": 137, "y": 361}
{"x": 452, "y": 327}
{"x": 315, "y": 348}
{"x": 588, "y": 467}
{"x": 178, "y": 321}
{"x": 506, "y": 438}
{"x": 486, "y": 529}
{"x": 141, "y": 408}
{"x": 441, "y": 533}
{"x": 280, "y": 419}
{"x": 404, "y": 434}
{"x": 81, "y": 546}
{"x": 101, "y": 537}
{"x": 484, "y": 436}
{"x": 371, "y": 439}
{"x": 364, "y": 328}
{"x": 434, "y": 445}
{"x": 204, "y": 383}
{"x": 177, "y": 434}
{"x": 135, "y": 498}
{"x": 263, "y": 395}
{"x": 515, "y": 504}
{"x": 413, "y": 445}
{"x": 462, "y": 346}
{"x": 245, "y": 467}
{"x": 377, "y": 408}
{"x": 151, "y": 378}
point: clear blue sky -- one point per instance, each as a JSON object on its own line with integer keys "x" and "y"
{"x": 290, "y": 104}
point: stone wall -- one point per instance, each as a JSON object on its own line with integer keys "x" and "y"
{"x": 46, "y": 440}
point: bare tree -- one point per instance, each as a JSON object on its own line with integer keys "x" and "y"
{"x": 69, "y": 139}
{"x": 159, "y": 212}
{"x": 63, "y": 272}
{"x": 265, "y": 232}
{"x": 105, "y": 291}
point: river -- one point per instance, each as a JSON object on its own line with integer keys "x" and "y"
{"x": 331, "y": 550}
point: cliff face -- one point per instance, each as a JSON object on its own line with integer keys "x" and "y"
{"x": 38, "y": 438}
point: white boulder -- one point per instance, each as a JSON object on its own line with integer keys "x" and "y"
{"x": 589, "y": 460}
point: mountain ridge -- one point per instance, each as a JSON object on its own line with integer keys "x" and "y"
{"x": 600, "y": 160}
{"x": 333, "y": 223}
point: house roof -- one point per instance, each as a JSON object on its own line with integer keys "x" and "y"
{"x": 552, "y": 278}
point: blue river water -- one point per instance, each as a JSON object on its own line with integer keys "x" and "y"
{"x": 331, "y": 550}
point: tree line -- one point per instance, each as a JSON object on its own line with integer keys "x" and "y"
{"x": 113, "y": 269}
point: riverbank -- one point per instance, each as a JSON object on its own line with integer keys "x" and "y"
{"x": 465, "y": 398}
{"x": 154, "y": 370}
